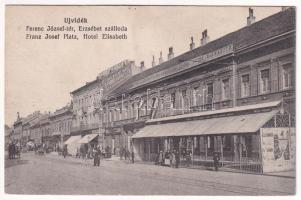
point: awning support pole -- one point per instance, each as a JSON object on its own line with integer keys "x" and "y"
{"x": 149, "y": 148}
{"x": 222, "y": 152}
{"x": 240, "y": 151}
{"x": 192, "y": 151}
{"x": 206, "y": 146}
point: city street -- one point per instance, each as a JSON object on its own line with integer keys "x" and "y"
{"x": 52, "y": 174}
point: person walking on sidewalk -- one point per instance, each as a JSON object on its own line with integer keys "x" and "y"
{"x": 65, "y": 151}
{"x": 216, "y": 159}
{"x": 97, "y": 153}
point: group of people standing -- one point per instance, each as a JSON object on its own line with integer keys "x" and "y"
{"x": 172, "y": 156}
{"x": 127, "y": 154}
{"x": 14, "y": 151}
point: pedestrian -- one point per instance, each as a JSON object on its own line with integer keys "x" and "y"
{"x": 174, "y": 162}
{"x": 177, "y": 158}
{"x": 65, "y": 151}
{"x": 121, "y": 153}
{"x": 77, "y": 153}
{"x": 82, "y": 151}
{"x": 188, "y": 158}
{"x": 216, "y": 159}
{"x": 171, "y": 157}
{"x": 97, "y": 153}
{"x": 161, "y": 158}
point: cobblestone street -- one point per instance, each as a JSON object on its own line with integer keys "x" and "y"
{"x": 52, "y": 174}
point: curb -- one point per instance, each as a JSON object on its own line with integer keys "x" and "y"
{"x": 229, "y": 171}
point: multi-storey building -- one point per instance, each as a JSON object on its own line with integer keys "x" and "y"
{"x": 45, "y": 128}
{"x": 23, "y": 126}
{"x": 87, "y": 100}
{"x": 234, "y": 95}
{"x": 39, "y": 128}
{"x": 60, "y": 126}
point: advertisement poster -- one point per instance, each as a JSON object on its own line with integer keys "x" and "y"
{"x": 278, "y": 149}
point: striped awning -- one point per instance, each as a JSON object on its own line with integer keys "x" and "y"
{"x": 73, "y": 139}
{"x": 248, "y": 123}
{"x": 87, "y": 138}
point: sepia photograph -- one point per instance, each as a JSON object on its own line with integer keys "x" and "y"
{"x": 150, "y": 100}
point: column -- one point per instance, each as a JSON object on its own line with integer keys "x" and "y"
{"x": 234, "y": 81}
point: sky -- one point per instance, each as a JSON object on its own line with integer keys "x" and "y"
{"x": 40, "y": 74}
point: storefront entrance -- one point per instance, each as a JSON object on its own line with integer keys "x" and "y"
{"x": 242, "y": 141}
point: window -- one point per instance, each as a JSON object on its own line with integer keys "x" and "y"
{"x": 209, "y": 93}
{"x": 264, "y": 80}
{"x": 183, "y": 95}
{"x": 227, "y": 142}
{"x": 287, "y": 76}
{"x": 194, "y": 96}
{"x": 225, "y": 89}
{"x": 173, "y": 100}
{"x": 133, "y": 110}
{"x": 245, "y": 85}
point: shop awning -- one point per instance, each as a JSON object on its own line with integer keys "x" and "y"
{"x": 73, "y": 139}
{"x": 87, "y": 138}
{"x": 248, "y": 123}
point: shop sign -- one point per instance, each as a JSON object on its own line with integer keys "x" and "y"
{"x": 185, "y": 65}
{"x": 116, "y": 75}
{"x": 278, "y": 149}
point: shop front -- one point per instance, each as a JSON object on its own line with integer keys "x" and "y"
{"x": 88, "y": 143}
{"x": 246, "y": 138}
{"x": 73, "y": 144}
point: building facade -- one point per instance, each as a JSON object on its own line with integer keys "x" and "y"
{"x": 60, "y": 126}
{"x": 231, "y": 96}
{"x": 87, "y": 108}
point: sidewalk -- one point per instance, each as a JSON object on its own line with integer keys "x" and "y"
{"x": 116, "y": 160}
{"x": 286, "y": 174}
{"x": 247, "y": 183}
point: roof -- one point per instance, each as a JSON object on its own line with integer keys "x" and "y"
{"x": 44, "y": 119}
{"x": 107, "y": 72}
{"x": 61, "y": 111}
{"x": 238, "y": 124}
{"x": 220, "y": 111}
{"x": 264, "y": 29}
{"x": 31, "y": 117}
{"x": 88, "y": 84}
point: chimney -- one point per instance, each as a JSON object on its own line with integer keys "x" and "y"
{"x": 205, "y": 38}
{"x": 161, "y": 58}
{"x": 153, "y": 62}
{"x": 251, "y": 19}
{"x": 192, "y": 45}
{"x": 170, "y": 53}
{"x": 142, "y": 67}
{"x": 18, "y": 115}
